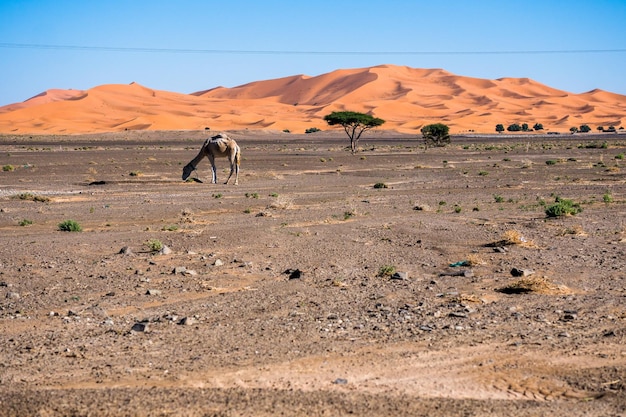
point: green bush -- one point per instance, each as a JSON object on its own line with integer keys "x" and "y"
{"x": 386, "y": 270}
{"x": 70, "y": 226}
{"x": 563, "y": 207}
{"x": 8, "y": 168}
{"x": 25, "y": 222}
{"x": 154, "y": 245}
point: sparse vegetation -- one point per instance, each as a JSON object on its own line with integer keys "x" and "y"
{"x": 70, "y": 226}
{"x": 437, "y": 134}
{"x": 25, "y": 222}
{"x": 154, "y": 245}
{"x": 563, "y": 207}
{"x": 32, "y": 197}
{"x": 386, "y": 271}
{"x": 354, "y": 124}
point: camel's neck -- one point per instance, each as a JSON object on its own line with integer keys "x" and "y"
{"x": 195, "y": 161}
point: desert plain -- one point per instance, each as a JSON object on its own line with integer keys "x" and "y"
{"x": 396, "y": 281}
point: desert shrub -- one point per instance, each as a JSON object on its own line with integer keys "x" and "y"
{"x": 437, "y": 134}
{"x": 380, "y": 185}
{"x": 386, "y": 270}
{"x": 541, "y": 285}
{"x": 563, "y": 207}
{"x": 25, "y": 222}
{"x": 498, "y": 198}
{"x": 607, "y": 197}
{"x": 619, "y": 156}
{"x": 154, "y": 245}
{"x": 170, "y": 228}
{"x": 217, "y": 195}
{"x": 31, "y": 197}
{"x": 312, "y": 130}
{"x": 8, "y": 168}
{"x": 551, "y": 162}
{"x": 135, "y": 173}
{"x": 70, "y": 226}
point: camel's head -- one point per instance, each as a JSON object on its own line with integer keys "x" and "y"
{"x": 187, "y": 170}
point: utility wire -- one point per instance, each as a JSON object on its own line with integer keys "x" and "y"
{"x": 287, "y": 52}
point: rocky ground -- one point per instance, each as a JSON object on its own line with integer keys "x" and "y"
{"x": 396, "y": 281}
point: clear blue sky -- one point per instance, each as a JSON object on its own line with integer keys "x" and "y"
{"x": 191, "y": 45}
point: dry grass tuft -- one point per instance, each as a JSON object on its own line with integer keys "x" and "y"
{"x": 282, "y": 203}
{"x": 467, "y": 298}
{"x": 538, "y": 285}
{"x": 513, "y": 237}
{"x": 576, "y": 230}
{"x": 475, "y": 260}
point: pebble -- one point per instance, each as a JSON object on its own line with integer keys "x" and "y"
{"x": 165, "y": 250}
{"x": 400, "y": 276}
{"x": 153, "y": 292}
{"x": 140, "y": 327}
{"x": 516, "y": 272}
{"x": 218, "y": 262}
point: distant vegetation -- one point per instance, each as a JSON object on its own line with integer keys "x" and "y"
{"x": 354, "y": 124}
{"x": 436, "y": 134}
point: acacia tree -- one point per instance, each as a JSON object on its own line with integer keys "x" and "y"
{"x": 354, "y": 124}
{"x": 436, "y": 134}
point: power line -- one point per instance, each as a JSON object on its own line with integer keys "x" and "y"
{"x": 288, "y": 52}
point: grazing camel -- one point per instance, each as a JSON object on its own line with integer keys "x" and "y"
{"x": 217, "y": 146}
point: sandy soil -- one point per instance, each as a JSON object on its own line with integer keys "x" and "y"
{"x": 273, "y": 299}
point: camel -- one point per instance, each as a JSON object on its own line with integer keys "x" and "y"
{"x": 217, "y": 146}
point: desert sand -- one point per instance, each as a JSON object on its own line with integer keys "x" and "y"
{"x": 278, "y": 296}
{"x": 407, "y": 98}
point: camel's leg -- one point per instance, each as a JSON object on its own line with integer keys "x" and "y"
{"x": 213, "y": 169}
{"x": 232, "y": 169}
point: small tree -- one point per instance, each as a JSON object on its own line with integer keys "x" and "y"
{"x": 525, "y": 127}
{"x": 573, "y": 129}
{"x": 514, "y": 128}
{"x": 584, "y": 128}
{"x": 538, "y": 126}
{"x": 354, "y": 124}
{"x": 499, "y": 128}
{"x": 436, "y": 135}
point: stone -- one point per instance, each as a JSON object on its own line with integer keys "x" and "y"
{"x": 516, "y": 272}
{"x": 293, "y": 273}
{"x": 153, "y": 292}
{"x": 218, "y": 262}
{"x": 401, "y": 276}
{"x": 125, "y": 251}
{"x": 165, "y": 250}
{"x": 179, "y": 270}
{"x": 140, "y": 327}
{"x": 187, "y": 321}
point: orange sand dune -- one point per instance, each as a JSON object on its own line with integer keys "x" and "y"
{"x": 407, "y": 98}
